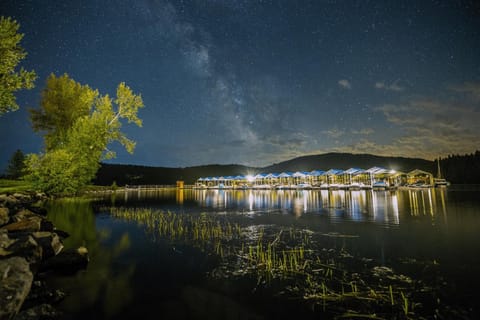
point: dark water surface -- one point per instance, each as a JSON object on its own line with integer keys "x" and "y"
{"x": 135, "y": 274}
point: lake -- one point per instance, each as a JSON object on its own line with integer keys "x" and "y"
{"x": 253, "y": 254}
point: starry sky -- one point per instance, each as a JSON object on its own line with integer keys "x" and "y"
{"x": 258, "y": 82}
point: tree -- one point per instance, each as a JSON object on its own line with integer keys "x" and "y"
{"x": 11, "y": 54}
{"x": 63, "y": 101}
{"x": 75, "y": 146}
{"x": 16, "y": 165}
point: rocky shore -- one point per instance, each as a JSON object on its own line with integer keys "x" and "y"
{"x": 31, "y": 248}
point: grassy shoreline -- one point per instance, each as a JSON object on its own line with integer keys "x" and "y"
{"x": 13, "y": 186}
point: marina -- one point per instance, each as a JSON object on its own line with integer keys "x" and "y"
{"x": 376, "y": 178}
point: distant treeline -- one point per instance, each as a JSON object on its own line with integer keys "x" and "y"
{"x": 461, "y": 168}
{"x": 141, "y": 175}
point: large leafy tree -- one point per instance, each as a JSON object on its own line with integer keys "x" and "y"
{"x": 79, "y": 124}
{"x": 11, "y": 54}
{"x": 63, "y": 102}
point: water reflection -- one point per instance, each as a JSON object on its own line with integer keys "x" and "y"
{"x": 102, "y": 287}
{"x": 381, "y": 207}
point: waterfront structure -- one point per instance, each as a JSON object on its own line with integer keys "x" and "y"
{"x": 352, "y": 179}
{"x": 420, "y": 178}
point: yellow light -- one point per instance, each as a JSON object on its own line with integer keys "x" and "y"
{"x": 250, "y": 178}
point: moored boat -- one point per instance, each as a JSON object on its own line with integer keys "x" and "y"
{"x": 440, "y": 182}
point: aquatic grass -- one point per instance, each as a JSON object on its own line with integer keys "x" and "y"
{"x": 288, "y": 257}
{"x": 200, "y": 231}
{"x": 405, "y": 303}
{"x": 391, "y": 295}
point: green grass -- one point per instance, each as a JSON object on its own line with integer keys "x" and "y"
{"x": 12, "y": 186}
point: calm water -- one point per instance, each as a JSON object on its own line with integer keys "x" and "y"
{"x": 134, "y": 274}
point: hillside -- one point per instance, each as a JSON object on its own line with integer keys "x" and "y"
{"x": 131, "y": 174}
{"x": 346, "y": 160}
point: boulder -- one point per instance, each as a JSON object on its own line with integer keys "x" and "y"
{"x": 30, "y": 224}
{"x": 49, "y": 242}
{"x": 46, "y": 225}
{"x": 3, "y": 198}
{"x": 22, "y": 197}
{"x": 4, "y": 218}
{"x": 22, "y": 215}
{"x": 5, "y": 242}
{"x": 62, "y": 234}
{"x": 16, "y": 280}
{"x": 67, "y": 262}
{"x": 38, "y": 210}
{"x": 25, "y": 246}
{"x": 9, "y": 201}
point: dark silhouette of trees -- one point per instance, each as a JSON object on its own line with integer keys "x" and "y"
{"x": 462, "y": 168}
{"x": 16, "y": 165}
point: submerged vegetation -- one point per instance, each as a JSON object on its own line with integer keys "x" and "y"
{"x": 298, "y": 264}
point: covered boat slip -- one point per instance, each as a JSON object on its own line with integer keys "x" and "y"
{"x": 351, "y": 179}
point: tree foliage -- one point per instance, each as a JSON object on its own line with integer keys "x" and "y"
{"x": 63, "y": 102}
{"x": 16, "y": 165}
{"x": 79, "y": 125}
{"x": 11, "y": 54}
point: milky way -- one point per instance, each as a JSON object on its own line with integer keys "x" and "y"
{"x": 257, "y": 82}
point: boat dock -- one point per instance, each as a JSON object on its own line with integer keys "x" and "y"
{"x": 375, "y": 178}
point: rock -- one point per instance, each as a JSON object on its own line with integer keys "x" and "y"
{"x": 25, "y": 246}
{"x": 3, "y": 198}
{"x": 4, "y": 218}
{"x": 9, "y": 201}
{"x": 16, "y": 280}
{"x": 22, "y": 215}
{"x": 38, "y": 210}
{"x": 62, "y": 234}
{"x": 43, "y": 311}
{"x": 40, "y": 293}
{"x": 5, "y": 242}
{"x": 22, "y": 196}
{"x": 67, "y": 262}
{"x": 30, "y": 224}
{"x": 46, "y": 225}
{"x": 50, "y": 243}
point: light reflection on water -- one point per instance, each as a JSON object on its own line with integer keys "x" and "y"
{"x": 385, "y": 208}
{"x": 382, "y": 207}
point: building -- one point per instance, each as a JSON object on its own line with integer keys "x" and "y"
{"x": 353, "y": 178}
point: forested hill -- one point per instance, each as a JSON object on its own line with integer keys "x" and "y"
{"x": 346, "y": 160}
{"x": 455, "y": 168}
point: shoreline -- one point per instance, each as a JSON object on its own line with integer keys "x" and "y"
{"x": 31, "y": 248}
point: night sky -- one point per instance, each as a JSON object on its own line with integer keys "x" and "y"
{"x": 258, "y": 82}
